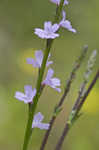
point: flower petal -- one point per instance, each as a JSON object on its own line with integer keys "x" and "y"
{"x": 43, "y": 126}
{"x": 49, "y": 63}
{"x": 33, "y": 93}
{"x": 58, "y": 2}
{"x": 66, "y": 2}
{"x": 33, "y": 62}
{"x": 55, "y": 27}
{"x": 58, "y": 90}
{"x": 51, "y": 35}
{"x": 50, "y": 73}
{"x": 64, "y": 15}
{"x": 20, "y": 96}
{"x": 67, "y": 24}
{"x": 48, "y": 26}
{"x": 28, "y": 90}
{"x": 39, "y": 57}
{"x": 40, "y": 33}
{"x": 55, "y": 81}
{"x": 37, "y": 122}
{"x": 29, "y": 60}
{"x": 38, "y": 117}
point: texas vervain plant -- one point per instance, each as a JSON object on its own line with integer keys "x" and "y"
{"x": 42, "y": 61}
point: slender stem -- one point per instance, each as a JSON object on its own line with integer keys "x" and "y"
{"x": 67, "y": 88}
{"x": 41, "y": 73}
{"x": 79, "y": 96}
{"x": 87, "y": 74}
{"x": 33, "y": 106}
{"x": 67, "y": 126}
{"x": 47, "y": 133}
{"x": 58, "y": 11}
{"x": 87, "y": 92}
{"x": 61, "y": 140}
{"x": 44, "y": 142}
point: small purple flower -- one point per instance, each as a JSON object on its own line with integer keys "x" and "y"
{"x": 37, "y": 122}
{"x": 52, "y": 82}
{"x": 38, "y": 60}
{"x": 28, "y": 96}
{"x": 48, "y": 32}
{"x": 66, "y": 24}
{"x": 57, "y": 2}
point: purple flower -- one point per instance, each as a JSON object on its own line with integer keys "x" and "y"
{"x": 28, "y": 96}
{"x": 52, "y": 82}
{"x": 48, "y": 32}
{"x": 58, "y": 2}
{"x": 37, "y": 122}
{"x": 66, "y": 24}
{"x": 38, "y": 60}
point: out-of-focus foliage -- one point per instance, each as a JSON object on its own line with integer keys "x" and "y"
{"x": 17, "y": 41}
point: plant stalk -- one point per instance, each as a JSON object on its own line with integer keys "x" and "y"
{"x": 66, "y": 91}
{"x": 28, "y": 132}
{"x": 68, "y": 125}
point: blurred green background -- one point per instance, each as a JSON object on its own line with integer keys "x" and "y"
{"x": 17, "y": 42}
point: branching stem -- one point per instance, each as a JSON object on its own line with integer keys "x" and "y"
{"x": 78, "y": 108}
{"x": 67, "y": 89}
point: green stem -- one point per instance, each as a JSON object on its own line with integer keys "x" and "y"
{"x": 40, "y": 77}
{"x": 33, "y": 106}
{"x": 72, "y": 118}
{"x": 58, "y": 11}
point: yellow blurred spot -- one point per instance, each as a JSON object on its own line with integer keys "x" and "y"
{"x": 23, "y": 64}
{"x": 92, "y": 103}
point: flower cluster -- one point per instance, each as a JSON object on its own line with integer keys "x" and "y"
{"x": 50, "y": 31}
{"x": 30, "y": 93}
